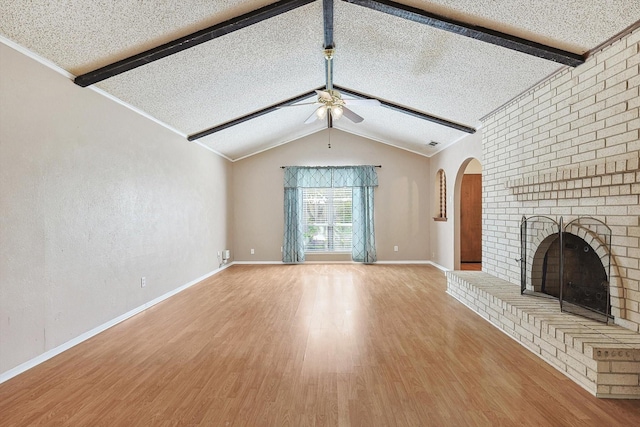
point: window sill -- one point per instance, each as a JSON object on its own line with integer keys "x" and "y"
{"x": 439, "y": 218}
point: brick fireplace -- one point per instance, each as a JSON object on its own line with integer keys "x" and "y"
{"x": 569, "y": 147}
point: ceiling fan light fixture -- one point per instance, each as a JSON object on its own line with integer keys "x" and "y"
{"x": 336, "y": 112}
{"x": 321, "y": 112}
{"x": 330, "y": 101}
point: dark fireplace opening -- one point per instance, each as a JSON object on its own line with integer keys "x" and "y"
{"x": 570, "y": 262}
{"x": 585, "y": 278}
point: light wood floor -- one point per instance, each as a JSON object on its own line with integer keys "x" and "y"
{"x": 312, "y": 345}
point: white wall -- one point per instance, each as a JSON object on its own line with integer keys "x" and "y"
{"x": 92, "y": 197}
{"x": 453, "y": 160}
{"x": 473, "y": 168}
{"x": 401, "y": 200}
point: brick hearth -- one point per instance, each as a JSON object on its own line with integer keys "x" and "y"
{"x": 603, "y": 359}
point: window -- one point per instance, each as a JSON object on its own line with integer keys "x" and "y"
{"x": 319, "y": 204}
{"x": 441, "y": 197}
{"x": 327, "y": 219}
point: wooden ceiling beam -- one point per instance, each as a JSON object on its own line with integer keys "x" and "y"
{"x": 476, "y": 32}
{"x": 409, "y": 111}
{"x": 253, "y": 115}
{"x": 342, "y": 90}
{"x": 327, "y": 13}
{"x": 189, "y": 41}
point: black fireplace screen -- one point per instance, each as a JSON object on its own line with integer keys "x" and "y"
{"x": 570, "y": 262}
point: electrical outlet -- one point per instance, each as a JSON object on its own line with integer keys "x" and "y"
{"x": 143, "y": 282}
{"x": 281, "y": 248}
{"x": 253, "y": 251}
{"x": 395, "y": 249}
{"x": 219, "y": 254}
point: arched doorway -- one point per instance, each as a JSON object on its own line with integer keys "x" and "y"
{"x": 468, "y": 216}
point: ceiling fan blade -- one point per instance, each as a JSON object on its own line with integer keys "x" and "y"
{"x": 324, "y": 94}
{"x": 297, "y": 105}
{"x": 312, "y": 118}
{"x": 371, "y": 102}
{"x": 351, "y": 115}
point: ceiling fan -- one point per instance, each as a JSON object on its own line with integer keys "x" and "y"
{"x": 330, "y": 101}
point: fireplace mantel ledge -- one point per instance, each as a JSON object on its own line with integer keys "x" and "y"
{"x": 599, "y": 175}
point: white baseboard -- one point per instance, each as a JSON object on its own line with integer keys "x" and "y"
{"x": 258, "y": 262}
{"x": 418, "y": 262}
{"x": 438, "y": 266}
{"x": 4, "y": 376}
{"x": 403, "y": 262}
{"x": 292, "y": 263}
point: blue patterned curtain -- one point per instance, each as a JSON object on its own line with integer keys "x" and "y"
{"x": 293, "y": 246}
{"x": 364, "y": 238}
{"x": 354, "y": 176}
{"x": 362, "y": 179}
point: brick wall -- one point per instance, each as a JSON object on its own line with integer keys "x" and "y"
{"x": 570, "y": 147}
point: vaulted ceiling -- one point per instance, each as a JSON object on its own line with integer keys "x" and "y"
{"x": 434, "y": 64}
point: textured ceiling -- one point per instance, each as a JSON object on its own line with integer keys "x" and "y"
{"x": 426, "y": 69}
{"x": 574, "y": 25}
{"x": 230, "y": 76}
{"x": 82, "y": 35}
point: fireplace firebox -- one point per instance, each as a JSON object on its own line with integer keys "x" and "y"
{"x": 569, "y": 262}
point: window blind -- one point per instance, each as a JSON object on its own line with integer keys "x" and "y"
{"x": 327, "y": 219}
